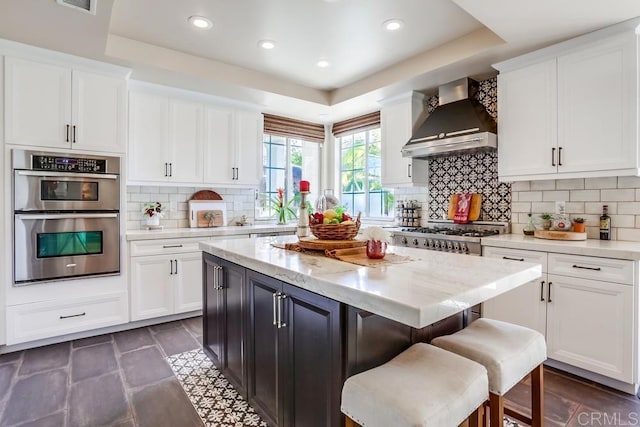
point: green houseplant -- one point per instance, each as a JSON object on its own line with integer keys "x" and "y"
{"x": 578, "y": 224}
{"x": 546, "y": 220}
{"x": 282, "y": 209}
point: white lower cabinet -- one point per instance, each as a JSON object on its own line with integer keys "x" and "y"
{"x": 584, "y": 305}
{"x": 29, "y": 322}
{"x": 168, "y": 283}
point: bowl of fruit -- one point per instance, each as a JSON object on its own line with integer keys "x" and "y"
{"x": 334, "y": 224}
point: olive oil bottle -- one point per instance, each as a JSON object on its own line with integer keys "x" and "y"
{"x": 605, "y": 224}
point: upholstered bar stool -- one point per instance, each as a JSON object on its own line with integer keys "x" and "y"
{"x": 423, "y": 386}
{"x": 509, "y": 352}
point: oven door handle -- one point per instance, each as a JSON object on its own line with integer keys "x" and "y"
{"x": 67, "y": 216}
{"x": 68, "y": 174}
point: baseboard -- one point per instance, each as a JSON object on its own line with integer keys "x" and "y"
{"x": 600, "y": 379}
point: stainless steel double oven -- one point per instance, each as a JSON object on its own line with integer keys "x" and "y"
{"x": 66, "y": 216}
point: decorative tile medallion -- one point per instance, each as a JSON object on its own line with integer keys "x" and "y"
{"x": 214, "y": 398}
{"x": 477, "y": 172}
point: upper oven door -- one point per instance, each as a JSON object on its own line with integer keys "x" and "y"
{"x": 64, "y": 191}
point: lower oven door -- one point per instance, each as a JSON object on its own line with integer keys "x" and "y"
{"x": 57, "y": 246}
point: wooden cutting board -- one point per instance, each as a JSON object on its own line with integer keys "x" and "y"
{"x": 559, "y": 235}
{"x": 323, "y": 245}
{"x": 474, "y": 211}
{"x": 206, "y": 195}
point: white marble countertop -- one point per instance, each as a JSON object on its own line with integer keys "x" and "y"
{"x": 170, "y": 233}
{"x": 591, "y": 247}
{"x": 433, "y": 286}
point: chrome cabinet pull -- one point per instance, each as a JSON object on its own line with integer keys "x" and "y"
{"x": 220, "y": 278}
{"x": 281, "y": 299}
{"x": 67, "y": 140}
{"x": 587, "y": 268}
{"x": 215, "y": 278}
{"x": 74, "y": 134}
{"x": 513, "y": 259}
{"x": 542, "y": 291}
{"x": 171, "y": 246}
{"x": 559, "y": 156}
{"x": 549, "y": 293}
{"x": 73, "y": 315}
{"x": 275, "y": 315}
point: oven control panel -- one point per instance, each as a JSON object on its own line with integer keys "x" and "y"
{"x": 68, "y": 164}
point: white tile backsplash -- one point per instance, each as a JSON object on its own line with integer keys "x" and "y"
{"x": 584, "y": 197}
{"x": 239, "y": 202}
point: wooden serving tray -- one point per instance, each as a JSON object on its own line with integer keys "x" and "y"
{"x": 323, "y": 245}
{"x": 559, "y": 235}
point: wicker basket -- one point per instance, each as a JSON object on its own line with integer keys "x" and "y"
{"x": 336, "y": 231}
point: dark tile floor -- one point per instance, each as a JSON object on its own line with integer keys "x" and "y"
{"x": 123, "y": 379}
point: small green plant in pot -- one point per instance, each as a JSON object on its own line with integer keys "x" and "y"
{"x": 578, "y": 224}
{"x": 546, "y": 220}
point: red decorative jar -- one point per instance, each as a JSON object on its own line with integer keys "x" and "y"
{"x": 376, "y": 249}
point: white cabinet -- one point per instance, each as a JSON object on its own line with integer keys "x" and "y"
{"x": 165, "y": 139}
{"x": 166, "y": 277}
{"x": 53, "y": 106}
{"x": 570, "y": 110}
{"x": 398, "y": 117}
{"x": 584, "y": 305}
{"x": 233, "y": 151}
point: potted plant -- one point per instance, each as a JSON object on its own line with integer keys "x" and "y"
{"x": 546, "y": 220}
{"x": 152, "y": 212}
{"x": 283, "y": 210}
{"x": 578, "y": 224}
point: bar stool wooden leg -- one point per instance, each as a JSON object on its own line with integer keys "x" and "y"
{"x": 348, "y": 422}
{"x": 537, "y": 396}
{"x": 476, "y": 419}
{"x": 496, "y": 410}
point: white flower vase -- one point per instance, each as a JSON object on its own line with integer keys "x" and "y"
{"x": 152, "y": 221}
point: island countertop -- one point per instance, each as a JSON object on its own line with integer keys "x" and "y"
{"x": 431, "y": 287}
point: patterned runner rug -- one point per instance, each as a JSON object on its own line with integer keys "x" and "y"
{"x": 218, "y": 404}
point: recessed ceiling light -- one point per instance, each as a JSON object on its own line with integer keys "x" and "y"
{"x": 393, "y": 24}
{"x": 200, "y": 22}
{"x": 267, "y": 44}
{"x": 322, "y": 63}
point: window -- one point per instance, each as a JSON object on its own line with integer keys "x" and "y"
{"x": 285, "y": 162}
{"x": 360, "y": 174}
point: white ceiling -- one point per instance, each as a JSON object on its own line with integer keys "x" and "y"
{"x": 442, "y": 40}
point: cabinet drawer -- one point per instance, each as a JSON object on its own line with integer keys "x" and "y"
{"x": 28, "y": 322}
{"x": 166, "y": 246}
{"x": 586, "y": 267}
{"x": 516, "y": 255}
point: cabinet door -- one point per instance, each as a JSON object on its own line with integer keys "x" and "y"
{"x": 235, "y": 291}
{"x": 151, "y": 286}
{"x": 311, "y": 337}
{"x": 396, "y": 127}
{"x": 185, "y": 141}
{"x": 263, "y": 348}
{"x": 527, "y": 134}
{"x": 188, "y": 282}
{"x": 214, "y": 320}
{"x": 98, "y": 112}
{"x": 598, "y": 106}
{"x": 525, "y": 305}
{"x": 37, "y": 104}
{"x": 148, "y": 137}
{"x": 590, "y": 325}
{"x": 248, "y": 155}
{"x": 218, "y": 148}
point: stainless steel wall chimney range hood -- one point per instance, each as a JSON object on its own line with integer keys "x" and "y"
{"x": 459, "y": 124}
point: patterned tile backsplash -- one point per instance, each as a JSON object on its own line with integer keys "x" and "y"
{"x": 239, "y": 202}
{"x": 477, "y": 172}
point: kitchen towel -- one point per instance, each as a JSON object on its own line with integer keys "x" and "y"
{"x": 463, "y": 208}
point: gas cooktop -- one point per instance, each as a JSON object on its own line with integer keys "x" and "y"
{"x": 453, "y": 232}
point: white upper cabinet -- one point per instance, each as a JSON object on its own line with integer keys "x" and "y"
{"x": 233, "y": 149}
{"x": 571, "y": 110}
{"x": 48, "y": 105}
{"x": 398, "y": 118}
{"x": 165, "y": 139}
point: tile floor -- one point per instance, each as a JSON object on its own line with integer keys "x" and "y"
{"x": 123, "y": 379}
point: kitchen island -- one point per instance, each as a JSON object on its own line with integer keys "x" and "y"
{"x": 288, "y": 328}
